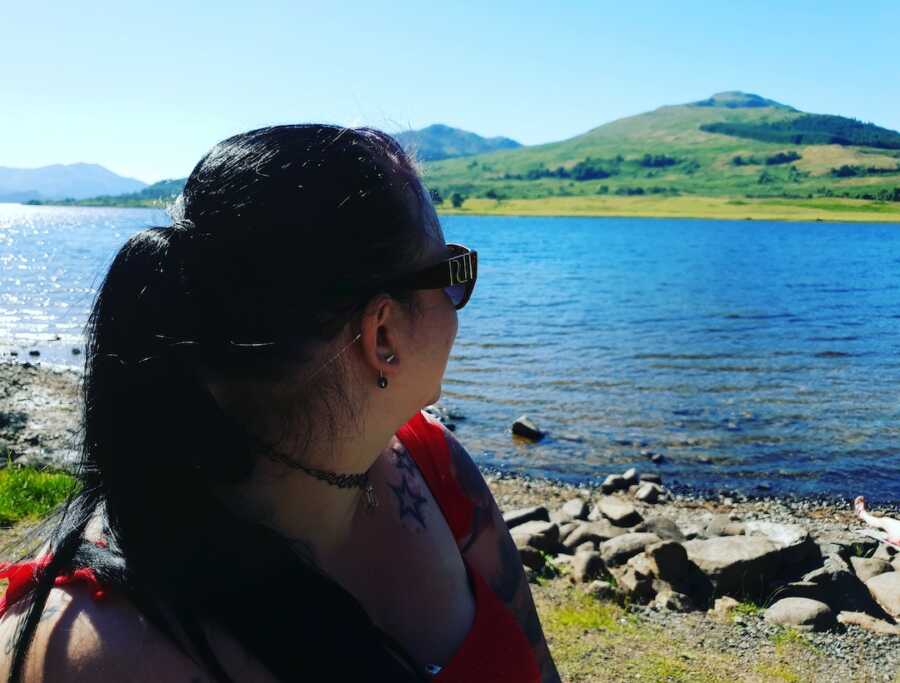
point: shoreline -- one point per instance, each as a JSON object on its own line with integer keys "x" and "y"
{"x": 697, "y": 207}
{"x": 821, "y": 210}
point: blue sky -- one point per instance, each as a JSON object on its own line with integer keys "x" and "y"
{"x": 146, "y": 88}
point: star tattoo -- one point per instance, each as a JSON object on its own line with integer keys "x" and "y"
{"x": 402, "y": 461}
{"x": 409, "y": 501}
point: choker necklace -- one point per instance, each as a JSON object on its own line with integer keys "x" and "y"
{"x": 345, "y": 481}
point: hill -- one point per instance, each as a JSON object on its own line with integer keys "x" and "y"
{"x": 62, "y": 181}
{"x": 708, "y": 148}
{"x": 158, "y": 194}
{"x": 443, "y": 142}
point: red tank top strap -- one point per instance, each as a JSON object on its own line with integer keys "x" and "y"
{"x": 23, "y": 577}
{"x": 428, "y": 447}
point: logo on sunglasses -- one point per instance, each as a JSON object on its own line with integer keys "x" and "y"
{"x": 460, "y": 269}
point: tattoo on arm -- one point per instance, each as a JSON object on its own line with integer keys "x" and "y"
{"x": 508, "y": 578}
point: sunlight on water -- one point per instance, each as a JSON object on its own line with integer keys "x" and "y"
{"x": 747, "y": 355}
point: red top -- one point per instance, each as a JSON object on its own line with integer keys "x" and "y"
{"x": 495, "y": 649}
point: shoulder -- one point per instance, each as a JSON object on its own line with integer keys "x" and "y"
{"x": 81, "y": 639}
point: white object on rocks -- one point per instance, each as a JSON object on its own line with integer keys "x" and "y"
{"x": 801, "y": 613}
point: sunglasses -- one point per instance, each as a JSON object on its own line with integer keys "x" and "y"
{"x": 455, "y": 275}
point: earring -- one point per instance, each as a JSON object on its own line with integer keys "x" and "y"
{"x": 382, "y": 380}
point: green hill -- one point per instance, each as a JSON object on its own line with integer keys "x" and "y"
{"x": 701, "y": 148}
{"x": 443, "y": 142}
{"x": 158, "y": 194}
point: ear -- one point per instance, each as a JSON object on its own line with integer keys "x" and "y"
{"x": 384, "y": 330}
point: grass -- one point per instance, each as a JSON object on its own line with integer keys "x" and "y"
{"x": 595, "y": 640}
{"x": 831, "y": 209}
{"x": 27, "y": 494}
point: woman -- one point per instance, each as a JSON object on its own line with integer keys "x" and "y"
{"x": 261, "y": 496}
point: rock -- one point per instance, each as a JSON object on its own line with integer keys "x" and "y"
{"x": 619, "y": 512}
{"x": 601, "y": 590}
{"x": 635, "y": 582}
{"x": 867, "y": 567}
{"x": 630, "y": 476}
{"x": 595, "y": 532}
{"x": 885, "y": 588}
{"x": 668, "y": 560}
{"x": 895, "y": 563}
{"x": 587, "y": 567}
{"x": 541, "y": 535}
{"x": 723, "y": 608}
{"x": 531, "y": 557}
{"x": 673, "y": 601}
{"x": 663, "y": 527}
{"x": 567, "y": 528}
{"x": 524, "y": 427}
{"x": 576, "y": 509}
{"x": 844, "y": 544}
{"x": 737, "y": 564}
{"x": 515, "y": 518}
{"x": 651, "y": 477}
{"x": 619, "y": 550}
{"x": 802, "y": 614}
{"x": 586, "y": 547}
{"x": 869, "y": 623}
{"x": 798, "y": 545}
{"x": 613, "y": 483}
{"x": 723, "y": 525}
{"x": 34, "y": 352}
{"x": 692, "y": 531}
{"x": 657, "y": 459}
{"x": 648, "y": 493}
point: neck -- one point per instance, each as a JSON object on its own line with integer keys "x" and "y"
{"x": 319, "y": 518}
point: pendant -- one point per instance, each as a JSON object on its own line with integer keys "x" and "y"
{"x": 371, "y": 500}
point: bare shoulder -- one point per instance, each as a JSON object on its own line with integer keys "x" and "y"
{"x": 80, "y": 639}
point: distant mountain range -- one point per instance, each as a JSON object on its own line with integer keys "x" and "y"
{"x": 443, "y": 142}
{"x": 734, "y": 144}
{"x": 62, "y": 181}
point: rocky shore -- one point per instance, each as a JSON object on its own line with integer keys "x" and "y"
{"x": 721, "y": 575}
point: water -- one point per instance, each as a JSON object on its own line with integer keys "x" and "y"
{"x": 758, "y": 356}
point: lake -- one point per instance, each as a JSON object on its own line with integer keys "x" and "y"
{"x": 756, "y": 356}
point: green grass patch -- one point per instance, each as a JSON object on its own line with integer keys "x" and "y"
{"x": 747, "y": 609}
{"x": 582, "y": 612}
{"x": 27, "y": 493}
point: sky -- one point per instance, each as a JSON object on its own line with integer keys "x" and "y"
{"x": 145, "y": 89}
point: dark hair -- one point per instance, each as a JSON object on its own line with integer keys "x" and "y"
{"x": 281, "y": 237}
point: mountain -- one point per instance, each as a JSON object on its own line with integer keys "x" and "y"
{"x": 731, "y": 144}
{"x": 62, "y": 181}
{"x": 443, "y": 142}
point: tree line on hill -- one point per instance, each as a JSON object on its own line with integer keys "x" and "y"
{"x": 811, "y": 129}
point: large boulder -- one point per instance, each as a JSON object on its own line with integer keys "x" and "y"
{"x": 587, "y": 567}
{"x": 867, "y": 567}
{"x": 869, "y": 623}
{"x": 668, "y": 561}
{"x": 801, "y": 613}
{"x": 885, "y": 588}
{"x": 525, "y": 428}
{"x": 663, "y": 527}
{"x": 617, "y": 551}
{"x": 613, "y": 483}
{"x": 798, "y": 546}
{"x": 514, "y": 518}
{"x": 596, "y": 532}
{"x": 541, "y": 535}
{"x": 648, "y": 492}
{"x": 575, "y": 509}
{"x": 737, "y": 564}
{"x": 618, "y": 511}
{"x": 835, "y": 584}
